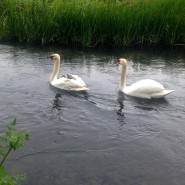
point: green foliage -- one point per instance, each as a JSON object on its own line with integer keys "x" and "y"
{"x": 11, "y": 141}
{"x": 92, "y": 22}
{"x": 6, "y": 179}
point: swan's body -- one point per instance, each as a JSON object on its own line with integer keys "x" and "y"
{"x": 67, "y": 82}
{"x": 146, "y": 88}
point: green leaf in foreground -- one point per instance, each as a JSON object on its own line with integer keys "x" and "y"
{"x": 12, "y": 140}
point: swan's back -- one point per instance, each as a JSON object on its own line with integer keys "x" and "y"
{"x": 147, "y": 88}
{"x": 74, "y": 84}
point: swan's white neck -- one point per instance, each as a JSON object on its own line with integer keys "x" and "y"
{"x": 123, "y": 77}
{"x": 55, "y": 70}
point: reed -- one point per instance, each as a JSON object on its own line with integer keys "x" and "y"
{"x": 94, "y": 22}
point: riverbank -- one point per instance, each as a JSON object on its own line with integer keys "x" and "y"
{"x": 94, "y": 23}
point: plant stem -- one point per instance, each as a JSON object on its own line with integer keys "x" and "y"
{"x": 4, "y": 158}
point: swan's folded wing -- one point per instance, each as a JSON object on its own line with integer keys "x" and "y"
{"x": 146, "y": 86}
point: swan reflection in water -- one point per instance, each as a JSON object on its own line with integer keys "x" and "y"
{"x": 119, "y": 111}
{"x": 59, "y": 93}
{"x": 120, "y": 100}
{"x": 138, "y": 103}
{"x": 57, "y": 103}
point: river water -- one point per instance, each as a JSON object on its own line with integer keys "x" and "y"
{"x": 100, "y": 137}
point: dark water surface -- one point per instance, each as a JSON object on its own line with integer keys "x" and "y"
{"x": 99, "y": 137}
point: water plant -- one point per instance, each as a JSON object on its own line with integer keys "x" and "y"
{"x": 94, "y": 22}
{"x": 11, "y": 141}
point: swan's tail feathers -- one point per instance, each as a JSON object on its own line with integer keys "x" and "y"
{"x": 162, "y": 93}
{"x": 168, "y": 91}
{"x": 80, "y": 89}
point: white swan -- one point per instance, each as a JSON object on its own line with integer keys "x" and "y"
{"x": 146, "y": 88}
{"x": 66, "y": 82}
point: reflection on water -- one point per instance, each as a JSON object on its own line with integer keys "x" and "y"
{"x": 57, "y": 103}
{"x": 148, "y": 104}
{"x": 120, "y": 100}
{"x": 100, "y": 136}
{"x": 120, "y": 110}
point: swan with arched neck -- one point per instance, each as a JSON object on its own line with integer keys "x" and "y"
{"x": 146, "y": 88}
{"x": 66, "y": 82}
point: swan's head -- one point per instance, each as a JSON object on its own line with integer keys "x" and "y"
{"x": 122, "y": 61}
{"x": 54, "y": 57}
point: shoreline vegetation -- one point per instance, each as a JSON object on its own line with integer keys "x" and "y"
{"x": 93, "y": 23}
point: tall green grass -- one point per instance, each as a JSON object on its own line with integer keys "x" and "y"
{"x": 94, "y": 22}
